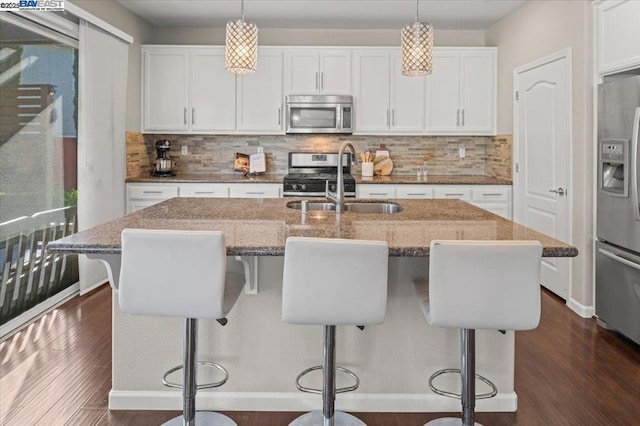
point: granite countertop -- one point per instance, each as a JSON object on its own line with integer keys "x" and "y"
{"x": 260, "y": 227}
{"x": 208, "y": 178}
{"x": 436, "y": 180}
{"x": 277, "y": 178}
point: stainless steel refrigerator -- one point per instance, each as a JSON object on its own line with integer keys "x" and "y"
{"x": 618, "y": 208}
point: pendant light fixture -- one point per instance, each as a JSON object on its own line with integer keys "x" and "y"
{"x": 241, "y": 45}
{"x": 417, "y": 48}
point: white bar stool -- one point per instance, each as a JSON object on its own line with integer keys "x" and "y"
{"x": 180, "y": 274}
{"x": 333, "y": 282}
{"x": 479, "y": 285}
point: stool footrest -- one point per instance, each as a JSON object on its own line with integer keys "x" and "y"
{"x": 218, "y": 367}
{"x": 490, "y": 394}
{"x": 319, "y": 391}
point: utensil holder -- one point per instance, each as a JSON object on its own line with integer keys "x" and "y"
{"x": 367, "y": 169}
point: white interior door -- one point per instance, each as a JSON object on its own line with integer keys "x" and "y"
{"x": 542, "y": 127}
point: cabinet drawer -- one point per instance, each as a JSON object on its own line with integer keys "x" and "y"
{"x": 491, "y": 194}
{"x": 151, "y": 192}
{"x": 204, "y": 190}
{"x": 254, "y": 191}
{"x": 501, "y": 209}
{"x": 375, "y": 191}
{"x": 453, "y": 192}
{"x": 136, "y": 205}
{"x": 414, "y": 191}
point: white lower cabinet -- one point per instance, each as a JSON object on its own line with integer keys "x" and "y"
{"x": 144, "y": 195}
{"x": 141, "y": 195}
{"x": 493, "y": 198}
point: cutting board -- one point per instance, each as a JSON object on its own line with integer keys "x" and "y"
{"x": 382, "y": 166}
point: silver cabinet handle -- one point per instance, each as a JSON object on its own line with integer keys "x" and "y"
{"x": 193, "y": 116}
{"x": 379, "y": 193}
{"x": 322, "y": 80}
{"x": 152, "y": 192}
{"x": 453, "y": 195}
{"x": 316, "y": 81}
{"x": 185, "y": 115}
{"x": 393, "y": 117}
{"x": 254, "y": 193}
{"x": 279, "y": 116}
{"x": 387, "y": 117}
{"x": 462, "y": 117}
{"x": 203, "y": 192}
{"x": 493, "y": 194}
{"x": 619, "y": 259}
{"x": 558, "y": 191}
{"x": 458, "y": 117}
{"x": 417, "y": 193}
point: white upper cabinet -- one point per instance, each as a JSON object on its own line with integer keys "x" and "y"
{"x": 187, "y": 90}
{"x": 461, "y": 92}
{"x": 317, "y": 71}
{"x": 260, "y": 96}
{"x": 371, "y": 77}
{"x": 385, "y": 101}
{"x": 165, "y": 89}
{"x": 213, "y": 92}
{"x": 407, "y": 99}
{"x": 617, "y": 35}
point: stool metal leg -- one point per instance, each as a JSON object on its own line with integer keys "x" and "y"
{"x": 467, "y": 375}
{"x": 329, "y": 374}
{"x": 328, "y": 416}
{"x": 189, "y": 415}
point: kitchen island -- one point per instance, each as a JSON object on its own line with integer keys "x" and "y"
{"x": 264, "y": 355}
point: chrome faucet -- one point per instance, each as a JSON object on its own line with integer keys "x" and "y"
{"x": 337, "y": 197}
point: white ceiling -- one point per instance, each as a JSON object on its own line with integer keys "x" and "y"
{"x": 329, "y": 14}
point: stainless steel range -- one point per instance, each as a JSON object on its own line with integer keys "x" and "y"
{"x": 310, "y": 171}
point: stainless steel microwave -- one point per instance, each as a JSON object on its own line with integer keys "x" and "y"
{"x": 319, "y": 114}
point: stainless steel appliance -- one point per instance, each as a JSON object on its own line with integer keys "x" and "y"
{"x": 309, "y": 173}
{"x": 163, "y": 165}
{"x": 319, "y": 114}
{"x": 618, "y": 209}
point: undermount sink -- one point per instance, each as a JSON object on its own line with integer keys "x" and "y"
{"x": 312, "y": 205}
{"x": 381, "y": 207}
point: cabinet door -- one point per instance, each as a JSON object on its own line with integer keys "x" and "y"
{"x": 301, "y": 73}
{"x": 478, "y": 92}
{"x": 617, "y": 35}
{"x": 213, "y": 92}
{"x": 165, "y": 98}
{"x": 371, "y": 91}
{"x": 260, "y": 95}
{"x": 457, "y": 192}
{"x": 335, "y": 72}
{"x": 407, "y": 99}
{"x": 443, "y": 93}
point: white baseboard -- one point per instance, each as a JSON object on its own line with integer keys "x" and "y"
{"x": 37, "y": 311}
{"x": 297, "y": 401}
{"x": 580, "y": 309}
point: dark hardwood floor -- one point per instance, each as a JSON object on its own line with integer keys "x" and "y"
{"x": 568, "y": 372}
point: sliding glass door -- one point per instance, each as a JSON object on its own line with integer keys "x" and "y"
{"x": 38, "y": 162}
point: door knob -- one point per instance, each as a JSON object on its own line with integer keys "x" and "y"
{"x": 558, "y": 191}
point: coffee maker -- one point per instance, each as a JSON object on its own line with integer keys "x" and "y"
{"x": 164, "y": 165}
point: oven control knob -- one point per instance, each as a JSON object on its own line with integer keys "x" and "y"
{"x": 295, "y": 186}
{"x": 303, "y": 187}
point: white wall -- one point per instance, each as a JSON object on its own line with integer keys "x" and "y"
{"x": 313, "y": 37}
{"x": 535, "y": 30}
{"x": 112, "y": 12}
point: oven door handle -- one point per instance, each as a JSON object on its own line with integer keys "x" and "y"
{"x": 619, "y": 259}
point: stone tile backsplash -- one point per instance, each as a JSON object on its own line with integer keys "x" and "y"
{"x": 214, "y": 154}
